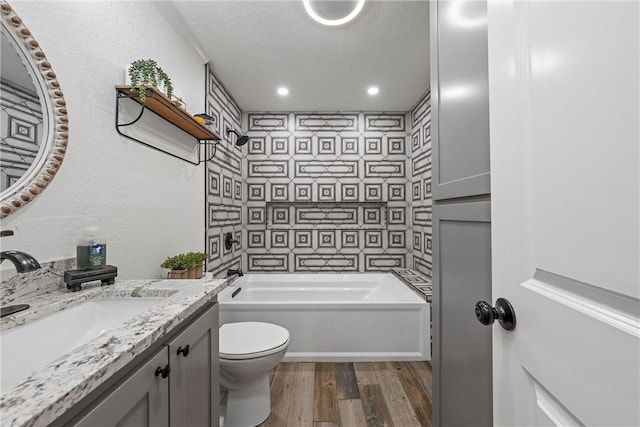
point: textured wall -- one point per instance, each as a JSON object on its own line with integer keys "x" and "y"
{"x": 327, "y": 192}
{"x": 149, "y": 205}
{"x": 223, "y": 180}
{"x": 421, "y": 184}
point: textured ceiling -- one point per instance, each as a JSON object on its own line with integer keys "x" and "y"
{"x": 256, "y": 46}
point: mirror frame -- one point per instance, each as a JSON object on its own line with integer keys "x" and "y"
{"x": 55, "y": 145}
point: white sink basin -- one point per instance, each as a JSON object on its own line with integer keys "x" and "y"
{"x": 33, "y": 346}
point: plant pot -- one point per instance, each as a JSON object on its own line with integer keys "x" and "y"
{"x": 195, "y": 272}
{"x": 178, "y": 274}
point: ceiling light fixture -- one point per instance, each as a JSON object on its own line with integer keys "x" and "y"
{"x": 283, "y": 91}
{"x": 373, "y": 90}
{"x": 333, "y": 12}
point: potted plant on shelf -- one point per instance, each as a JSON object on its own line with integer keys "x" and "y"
{"x": 185, "y": 266}
{"x": 147, "y": 72}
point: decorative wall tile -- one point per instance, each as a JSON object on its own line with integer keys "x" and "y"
{"x": 327, "y": 145}
{"x": 303, "y": 192}
{"x": 329, "y": 192}
{"x": 421, "y": 185}
{"x": 383, "y": 262}
{"x": 385, "y": 168}
{"x": 279, "y": 239}
{"x": 303, "y": 145}
{"x": 303, "y": 239}
{"x": 338, "y": 122}
{"x": 373, "y": 146}
{"x": 319, "y": 168}
{"x": 373, "y": 192}
{"x": 269, "y": 263}
{"x": 396, "y": 192}
{"x": 396, "y": 145}
{"x": 280, "y": 145}
{"x": 327, "y": 239}
{"x": 257, "y": 215}
{"x": 257, "y": 145}
{"x": 226, "y": 187}
{"x": 268, "y": 169}
{"x": 256, "y": 239}
{"x": 397, "y": 239}
{"x": 279, "y": 192}
{"x": 384, "y": 122}
{"x": 349, "y": 145}
{"x": 319, "y": 262}
{"x": 256, "y": 192}
{"x": 268, "y": 122}
{"x": 350, "y": 192}
{"x": 350, "y": 239}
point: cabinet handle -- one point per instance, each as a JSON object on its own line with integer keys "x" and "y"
{"x": 184, "y": 351}
{"x": 164, "y": 371}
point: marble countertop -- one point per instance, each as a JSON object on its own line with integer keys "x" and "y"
{"x": 47, "y": 393}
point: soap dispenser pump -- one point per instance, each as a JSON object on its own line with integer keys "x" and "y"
{"x": 91, "y": 252}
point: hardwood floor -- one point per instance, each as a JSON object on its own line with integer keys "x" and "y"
{"x": 350, "y": 395}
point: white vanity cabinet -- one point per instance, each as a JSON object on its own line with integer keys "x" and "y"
{"x": 177, "y": 386}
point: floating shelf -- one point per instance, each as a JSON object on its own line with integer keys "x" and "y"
{"x": 160, "y": 104}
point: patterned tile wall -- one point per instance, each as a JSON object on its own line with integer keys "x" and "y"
{"x": 327, "y": 192}
{"x": 21, "y": 131}
{"x": 223, "y": 180}
{"x": 421, "y": 184}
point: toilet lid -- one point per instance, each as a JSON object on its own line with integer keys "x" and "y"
{"x": 246, "y": 340}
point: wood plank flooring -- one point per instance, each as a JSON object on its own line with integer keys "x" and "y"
{"x": 350, "y": 395}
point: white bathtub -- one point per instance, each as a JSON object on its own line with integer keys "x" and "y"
{"x": 335, "y": 317}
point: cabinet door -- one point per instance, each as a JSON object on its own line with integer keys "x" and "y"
{"x": 461, "y": 345}
{"x": 460, "y": 98}
{"x": 194, "y": 382}
{"x": 142, "y": 400}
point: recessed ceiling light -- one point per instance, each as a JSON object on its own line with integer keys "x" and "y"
{"x": 373, "y": 90}
{"x": 283, "y": 91}
{"x": 333, "y": 12}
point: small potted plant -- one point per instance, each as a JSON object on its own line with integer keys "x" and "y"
{"x": 195, "y": 260}
{"x": 147, "y": 72}
{"x": 178, "y": 266}
{"x": 185, "y": 266}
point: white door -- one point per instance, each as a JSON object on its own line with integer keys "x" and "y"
{"x": 564, "y": 120}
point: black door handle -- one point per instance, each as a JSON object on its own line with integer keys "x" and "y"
{"x": 503, "y": 311}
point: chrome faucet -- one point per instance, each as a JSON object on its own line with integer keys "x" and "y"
{"x": 232, "y": 272}
{"x": 22, "y": 261}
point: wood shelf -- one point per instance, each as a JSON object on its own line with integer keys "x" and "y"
{"x": 160, "y": 104}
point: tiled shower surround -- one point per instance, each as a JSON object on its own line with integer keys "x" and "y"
{"x": 319, "y": 192}
{"x": 224, "y": 180}
{"x": 421, "y": 184}
{"x": 327, "y": 192}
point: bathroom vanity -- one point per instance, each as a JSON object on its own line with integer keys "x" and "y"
{"x": 145, "y": 396}
{"x": 157, "y": 368}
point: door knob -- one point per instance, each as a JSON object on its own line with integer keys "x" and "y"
{"x": 503, "y": 311}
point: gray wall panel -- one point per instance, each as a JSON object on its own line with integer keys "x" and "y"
{"x": 460, "y": 113}
{"x": 462, "y": 346}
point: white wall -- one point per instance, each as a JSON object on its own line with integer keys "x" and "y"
{"x": 149, "y": 205}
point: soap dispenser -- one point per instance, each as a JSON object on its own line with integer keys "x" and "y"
{"x": 91, "y": 251}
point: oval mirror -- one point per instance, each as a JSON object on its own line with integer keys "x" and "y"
{"x": 34, "y": 125}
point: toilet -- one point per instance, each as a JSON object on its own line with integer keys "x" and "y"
{"x": 248, "y": 351}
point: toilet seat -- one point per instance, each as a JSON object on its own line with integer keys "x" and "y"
{"x": 249, "y": 340}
